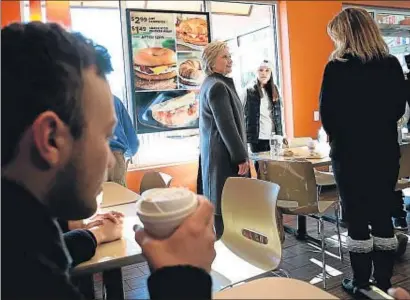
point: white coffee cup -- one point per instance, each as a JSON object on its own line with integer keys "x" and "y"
{"x": 162, "y": 210}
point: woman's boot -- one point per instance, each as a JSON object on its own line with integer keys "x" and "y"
{"x": 383, "y": 260}
{"x": 361, "y": 262}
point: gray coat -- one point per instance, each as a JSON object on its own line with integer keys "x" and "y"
{"x": 222, "y": 135}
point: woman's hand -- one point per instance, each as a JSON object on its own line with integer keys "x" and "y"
{"x": 73, "y": 225}
{"x": 243, "y": 168}
{"x": 107, "y": 230}
{"x": 98, "y": 219}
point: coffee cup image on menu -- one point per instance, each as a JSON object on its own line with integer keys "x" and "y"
{"x": 155, "y": 68}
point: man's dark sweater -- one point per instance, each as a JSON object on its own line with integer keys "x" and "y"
{"x": 81, "y": 243}
{"x": 36, "y": 262}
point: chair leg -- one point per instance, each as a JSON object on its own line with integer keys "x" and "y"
{"x": 338, "y": 232}
{"x": 319, "y": 189}
{"x": 323, "y": 252}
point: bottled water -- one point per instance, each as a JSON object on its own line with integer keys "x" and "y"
{"x": 322, "y": 136}
{"x": 276, "y": 142}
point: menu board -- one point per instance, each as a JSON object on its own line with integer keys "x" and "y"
{"x": 165, "y": 50}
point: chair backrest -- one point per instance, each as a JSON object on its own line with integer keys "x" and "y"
{"x": 404, "y": 170}
{"x": 153, "y": 179}
{"x": 249, "y": 215}
{"x": 296, "y": 180}
{"x": 299, "y": 142}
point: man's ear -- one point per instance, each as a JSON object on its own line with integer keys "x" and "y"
{"x": 52, "y": 139}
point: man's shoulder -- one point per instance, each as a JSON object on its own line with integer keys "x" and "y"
{"x": 118, "y": 102}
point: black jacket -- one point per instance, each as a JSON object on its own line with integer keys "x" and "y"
{"x": 35, "y": 260}
{"x": 35, "y": 263}
{"x": 360, "y": 104}
{"x": 252, "y": 113}
{"x": 81, "y": 243}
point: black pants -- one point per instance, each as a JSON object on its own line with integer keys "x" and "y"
{"x": 367, "y": 200}
{"x": 367, "y": 197}
{"x": 260, "y": 146}
{"x": 398, "y": 206}
{"x": 219, "y": 226}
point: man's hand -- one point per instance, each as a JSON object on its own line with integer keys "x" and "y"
{"x": 243, "y": 168}
{"x": 399, "y": 294}
{"x": 108, "y": 230}
{"x": 191, "y": 244}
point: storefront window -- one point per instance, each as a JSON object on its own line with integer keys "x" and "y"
{"x": 255, "y": 47}
{"x": 251, "y": 40}
{"x": 395, "y": 28}
{"x": 102, "y": 24}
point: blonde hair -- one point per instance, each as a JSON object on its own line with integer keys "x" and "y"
{"x": 355, "y": 32}
{"x": 209, "y": 55}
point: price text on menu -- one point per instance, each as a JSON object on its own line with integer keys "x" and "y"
{"x": 144, "y": 25}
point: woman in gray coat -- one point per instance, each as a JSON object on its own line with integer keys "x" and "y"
{"x": 222, "y": 127}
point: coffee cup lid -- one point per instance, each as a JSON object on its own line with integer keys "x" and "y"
{"x": 165, "y": 201}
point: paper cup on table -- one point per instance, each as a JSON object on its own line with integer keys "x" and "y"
{"x": 162, "y": 210}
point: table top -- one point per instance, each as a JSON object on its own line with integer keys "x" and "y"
{"x": 300, "y": 153}
{"x": 119, "y": 253}
{"x": 274, "y": 288}
{"x": 115, "y": 194}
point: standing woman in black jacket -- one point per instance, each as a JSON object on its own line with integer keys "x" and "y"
{"x": 263, "y": 110}
{"x": 363, "y": 85}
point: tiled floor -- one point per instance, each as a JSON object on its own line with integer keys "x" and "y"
{"x": 298, "y": 260}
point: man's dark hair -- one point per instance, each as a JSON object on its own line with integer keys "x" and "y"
{"x": 103, "y": 56}
{"x": 42, "y": 67}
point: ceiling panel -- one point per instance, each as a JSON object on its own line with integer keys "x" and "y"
{"x": 175, "y": 5}
{"x": 95, "y": 4}
{"x": 239, "y": 9}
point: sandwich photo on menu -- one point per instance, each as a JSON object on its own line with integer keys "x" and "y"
{"x": 176, "y": 112}
{"x": 190, "y": 74}
{"x": 192, "y": 32}
{"x": 155, "y": 68}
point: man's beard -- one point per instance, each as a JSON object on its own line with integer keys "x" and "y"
{"x": 65, "y": 199}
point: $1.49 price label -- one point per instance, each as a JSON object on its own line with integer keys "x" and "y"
{"x": 139, "y": 24}
{"x": 139, "y": 29}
